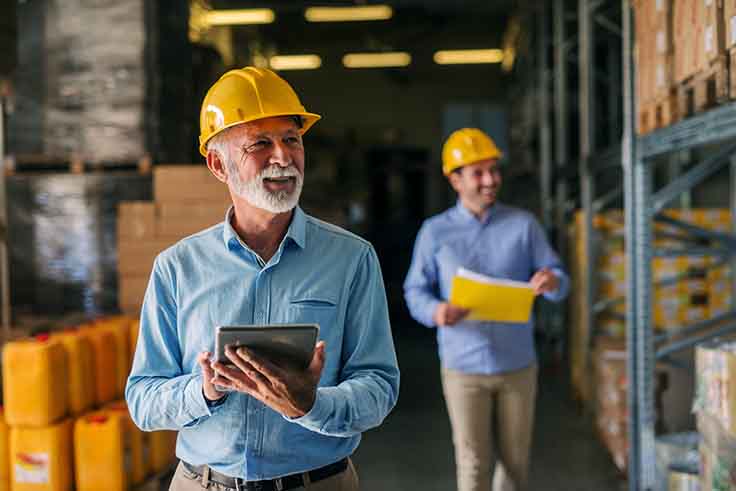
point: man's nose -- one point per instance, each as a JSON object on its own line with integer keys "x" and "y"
{"x": 489, "y": 178}
{"x": 280, "y": 155}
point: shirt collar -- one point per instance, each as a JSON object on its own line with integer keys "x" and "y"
{"x": 465, "y": 215}
{"x": 296, "y": 232}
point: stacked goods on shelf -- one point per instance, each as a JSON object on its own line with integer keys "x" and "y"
{"x": 678, "y": 461}
{"x": 715, "y": 407}
{"x": 682, "y": 58}
{"x": 50, "y": 384}
{"x": 187, "y": 199}
{"x": 611, "y": 399}
{"x": 657, "y": 97}
{"x": 729, "y": 20}
{"x": 702, "y": 292}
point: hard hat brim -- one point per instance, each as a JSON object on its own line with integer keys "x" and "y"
{"x": 308, "y": 120}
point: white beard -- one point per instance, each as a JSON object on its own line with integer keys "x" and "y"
{"x": 255, "y": 193}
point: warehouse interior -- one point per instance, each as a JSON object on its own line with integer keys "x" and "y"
{"x": 617, "y": 124}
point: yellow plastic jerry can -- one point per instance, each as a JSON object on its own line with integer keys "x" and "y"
{"x": 119, "y": 326}
{"x": 163, "y": 450}
{"x": 140, "y": 454}
{"x": 135, "y": 327}
{"x": 100, "y": 452}
{"x": 104, "y": 356}
{"x": 41, "y": 458}
{"x": 80, "y": 358}
{"x": 35, "y": 381}
{"x": 4, "y": 452}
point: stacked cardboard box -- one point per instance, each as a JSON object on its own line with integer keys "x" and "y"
{"x": 715, "y": 406}
{"x": 187, "y": 199}
{"x": 657, "y": 97}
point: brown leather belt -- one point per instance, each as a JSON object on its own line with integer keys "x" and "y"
{"x": 279, "y": 484}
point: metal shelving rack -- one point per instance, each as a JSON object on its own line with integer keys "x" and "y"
{"x": 635, "y": 157}
{"x": 642, "y": 206}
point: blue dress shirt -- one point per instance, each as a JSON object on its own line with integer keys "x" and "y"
{"x": 507, "y": 243}
{"x": 319, "y": 274}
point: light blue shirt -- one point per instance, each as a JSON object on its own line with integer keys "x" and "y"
{"x": 507, "y": 243}
{"x": 320, "y": 274}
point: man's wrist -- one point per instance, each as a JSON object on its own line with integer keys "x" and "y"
{"x": 213, "y": 402}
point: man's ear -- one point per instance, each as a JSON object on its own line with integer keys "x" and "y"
{"x": 216, "y": 166}
{"x": 454, "y": 179}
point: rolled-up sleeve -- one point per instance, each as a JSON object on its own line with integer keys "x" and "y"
{"x": 159, "y": 395}
{"x": 421, "y": 285}
{"x": 369, "y": 378}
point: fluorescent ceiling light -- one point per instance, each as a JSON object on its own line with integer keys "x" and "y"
{"x": 462, "y": 56}
{"x": 348, "y": 14}
{"x": 233, "y": 17}
{"x": 295, "y": 62}
{"x": 376, "y": 60}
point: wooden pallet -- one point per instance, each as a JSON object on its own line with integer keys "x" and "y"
{"x": 73, "y": 164}
{"x": 658, "y": 113}
{"x": 705, "y": 89}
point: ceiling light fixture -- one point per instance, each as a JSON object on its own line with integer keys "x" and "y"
{"x": 348, "y": 14}
{"x": 234, "y": 17}
{"x": 295, "y": 62}
{"x": 376, "y": 60}
{"x": 467, "y": 56}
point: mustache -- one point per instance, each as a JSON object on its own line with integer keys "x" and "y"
{"x": 278, "y": 171}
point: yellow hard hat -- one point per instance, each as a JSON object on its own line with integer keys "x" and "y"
{"x": 467, "y": 146}
{"x": 247, "y": 94}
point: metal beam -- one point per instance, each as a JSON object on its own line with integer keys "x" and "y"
{"x": 733, "y": 227}
{"x": 727, "y": 240}
{"x": 586, "y": 105}
{"x": 690, "y": 342}
{"x": 640, "y": 347}
{"x": 4, "y": 253}
{"x": 692, "y": 177}
{"x": 608, "y": 24}
{"x": 690, "y": 252}
{"x": 695, "y": 327}
{"x": 601, "y": 203}
{"x": 711, "y": 126}
{"x": 545, "y": 138}
{"x": 561, "y": 126}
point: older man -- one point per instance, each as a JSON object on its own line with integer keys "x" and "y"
{"x": 489, "y": 370}
{"x": 266, "y": 263}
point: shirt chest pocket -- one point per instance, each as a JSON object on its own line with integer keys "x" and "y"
{"x": 313, "y": 310}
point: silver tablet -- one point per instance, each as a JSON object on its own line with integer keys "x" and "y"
{"x": 284, "y": 344}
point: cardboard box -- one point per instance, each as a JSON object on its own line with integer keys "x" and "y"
{"x": 687, "y": 38}
{"x": 729, "y": 19}
{"x": 136, "y": 257}
{"x": 717, "y": 456}
{"x": 177, "y": 220}
{"x": 187, "y": 183}
{"x": 713, "y": 30}
{"x": 715, "y": 392}
{"x": 136, "y": 220}
{"x": 131, "y": 290}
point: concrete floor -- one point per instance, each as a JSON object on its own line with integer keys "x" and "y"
{"x": 412, "y": 450}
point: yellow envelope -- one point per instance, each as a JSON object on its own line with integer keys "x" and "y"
{"x": 492, "y": 299}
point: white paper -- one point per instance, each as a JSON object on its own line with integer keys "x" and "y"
{"x": 481, "y": 278}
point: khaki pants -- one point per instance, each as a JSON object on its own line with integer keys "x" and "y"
{"x": 345, "y": 481}
{"x": 474, "y": 402}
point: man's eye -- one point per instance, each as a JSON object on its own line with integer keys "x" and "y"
{"x": 259, "y": 145}
{"x": 292, "y": 140}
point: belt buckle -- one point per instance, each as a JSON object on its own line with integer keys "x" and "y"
{"x": 278, "y": 484}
